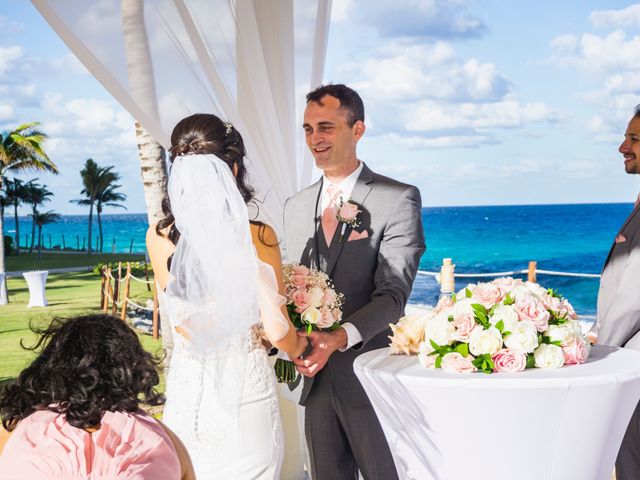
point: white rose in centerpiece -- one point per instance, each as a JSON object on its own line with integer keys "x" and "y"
{"x": 536, "y": 289}
{"x": 462, "y": 307}
{"x": 316, "y": 295}
{"x": 311, "y": 316}
{"x": 549, "y": 356}
{"x": 564, "y": 334}
{"x": 507, "y": 314}
{"x": 440, "y": 330}
{"x": 483, "y": 341}
{"x": 523, "y": 337}
{"x": 426, "y": 360}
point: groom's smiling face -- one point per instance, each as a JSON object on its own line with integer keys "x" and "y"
{"x": 330, "y": 138}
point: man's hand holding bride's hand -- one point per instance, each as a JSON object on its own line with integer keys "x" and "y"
{"x": 323, "y": 345}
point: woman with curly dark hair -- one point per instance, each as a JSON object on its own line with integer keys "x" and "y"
{"x": 75, "y": 411}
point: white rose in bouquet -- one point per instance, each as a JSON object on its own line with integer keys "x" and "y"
{"x": 440, "y": 329}
{"x": 507, "y": 314}
{"x": 523, "y": 337}
{"x": 316, "y": 297}
{"x": 311, "y": 316}
{"x": 548, "y": 356}
{"x": 483, "y": 341}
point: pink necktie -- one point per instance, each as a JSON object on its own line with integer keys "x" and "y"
{"x": 329, "y": 215}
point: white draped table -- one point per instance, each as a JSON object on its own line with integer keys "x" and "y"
{"x": 564, "y": 424}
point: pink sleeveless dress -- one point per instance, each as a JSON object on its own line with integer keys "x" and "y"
{"x": 128, "y": 445}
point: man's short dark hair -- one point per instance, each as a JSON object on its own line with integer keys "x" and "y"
{"x": 349, "y": 99}
{"x": 636, "y": 111}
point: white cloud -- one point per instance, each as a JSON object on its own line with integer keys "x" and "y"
{"x": 443, "y": 141}
{"x": 7, "y": 113}
{"x": 9, "y": 56}
{"x": 625, "y": 18}
{"x": 418, "y": 18}
{"x": 9, "y": 27}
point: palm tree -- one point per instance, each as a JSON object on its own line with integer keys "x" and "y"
{"x": 108, "y": 198}
{"x": 21, "y": 149}
{"x": 43, "y": 218}
{"x": 36, "y": 196}
{"x": 95, "y": 179}
{"x": 17, "y": 193}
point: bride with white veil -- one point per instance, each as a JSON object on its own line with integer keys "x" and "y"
{"x": 219, "y": 276}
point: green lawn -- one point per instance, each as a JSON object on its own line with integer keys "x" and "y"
{"x": 68, "y": 294}
{"x": 30, "y": 261}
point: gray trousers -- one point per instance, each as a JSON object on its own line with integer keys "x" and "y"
{"x": 343, "y": 439}
{"x": 628, "y": 461}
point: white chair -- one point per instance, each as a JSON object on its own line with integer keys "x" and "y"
{"x": 36, "y": 282}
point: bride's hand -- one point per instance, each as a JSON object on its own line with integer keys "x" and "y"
{"x": 301, "y": 346}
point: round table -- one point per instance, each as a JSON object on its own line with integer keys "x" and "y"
{"x": 538, "y": 424}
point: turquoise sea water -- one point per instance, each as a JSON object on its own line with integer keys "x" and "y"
{"x": 570, "y": 238}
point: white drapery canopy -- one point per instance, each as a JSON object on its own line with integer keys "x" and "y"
{"x": 248, "y": 61}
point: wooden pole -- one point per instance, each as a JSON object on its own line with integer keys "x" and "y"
{"x": 103, "y": 282}
{"x": 155, "y": 311}
{"x": 531, "y": 275}
{"x": 146, "y": 274}
{"x": 116, "y": 290}
{"x": 109, "y": 289}
{"x": 125, "y": 297}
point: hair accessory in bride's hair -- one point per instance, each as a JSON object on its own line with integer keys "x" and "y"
{"x": 227, "y": 128}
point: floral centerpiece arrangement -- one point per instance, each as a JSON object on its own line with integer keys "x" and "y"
{"x": 505, "y": 325}
{"x": 312, "y": 303}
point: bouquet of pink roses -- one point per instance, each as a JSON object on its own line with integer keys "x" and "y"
{"x": 502, "y": 326}
{"x": 312, "y": 303}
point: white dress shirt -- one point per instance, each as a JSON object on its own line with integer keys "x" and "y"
{"x": 346, "y": 187}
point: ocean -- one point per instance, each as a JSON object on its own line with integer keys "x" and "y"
{"x": 568, "y": 238}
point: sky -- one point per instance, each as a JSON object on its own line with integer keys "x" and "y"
{"x": 479, "y": 102}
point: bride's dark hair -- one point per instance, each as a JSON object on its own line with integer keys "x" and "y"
{"x": 205, "y": 133}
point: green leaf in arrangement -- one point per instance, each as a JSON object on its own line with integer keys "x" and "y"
{"x": 462, "y": 348}
{"x": 309, "y": 329}
{"x": 531, "y": 361}
{"x": 504, "y": 334}
{"x": 508, "y": 300}
{"x": 450, "y": 318}
{"x": 500, "y": 326}
{"x": 467, "y": 293}
{"x": 435, "y": 346}
{"x": 438, "y": 361}
{"x": 453, "y": 297}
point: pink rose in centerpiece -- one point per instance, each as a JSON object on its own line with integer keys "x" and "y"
{"x": 487, "y": 294}
{"x": 300, "y": 300}
{"x": 530, "y": 309}
{"x": 507, "y": 360}
{"x": 551, "y": 302}
{"x": 507, "y": 284}
{"x": 454, "y": 362}
{"x": 576, "y": 351}
{"x": 464, "y": 323}
{"x": 348, "y": 212}
{"x": 567, "y": 309}
{"x": 444, "y": 303}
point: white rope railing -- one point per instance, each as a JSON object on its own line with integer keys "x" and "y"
{"x": 131, "y": 302}
{"x": 513, "y": 272}
{"x": 133, "y": 277}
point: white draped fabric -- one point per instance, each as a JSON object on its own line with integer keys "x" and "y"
{"x": 552, "y": 424}
{"x": 247, "y": 61}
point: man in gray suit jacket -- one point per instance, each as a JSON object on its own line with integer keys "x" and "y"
{"x": 372, "y": 261}
{"x": 618, "y": 321}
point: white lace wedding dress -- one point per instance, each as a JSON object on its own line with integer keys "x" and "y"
{"x": 225, "y": 441}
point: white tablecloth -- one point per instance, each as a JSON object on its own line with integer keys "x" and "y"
{"x": 564, "y": 424}
{"x": 36, "y": 282}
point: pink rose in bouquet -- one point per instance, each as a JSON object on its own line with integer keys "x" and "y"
{"x": 300, "y": 299}
{"x": 507, "y": 360}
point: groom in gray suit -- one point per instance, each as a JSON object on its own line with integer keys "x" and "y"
{"x": 618, "y": 321}
{"x": 372, "y": 259}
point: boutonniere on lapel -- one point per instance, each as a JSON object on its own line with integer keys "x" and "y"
{"x": 348, "y": 215}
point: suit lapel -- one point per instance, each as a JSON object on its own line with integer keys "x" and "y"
{"x": 360, "y": 192}
{"x": 633, "y": 213}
